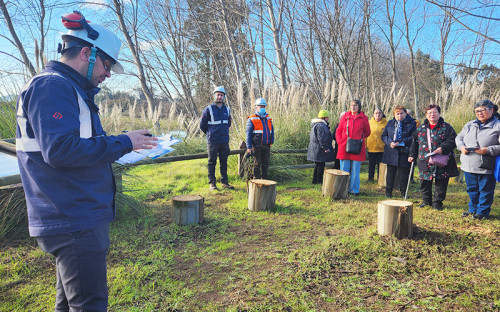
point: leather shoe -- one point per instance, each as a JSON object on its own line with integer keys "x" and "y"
{"x": 437, "y": 207}
{"x": 227, "y": 186}
{"x": 466, "y": 214}
{"x": 479, "y": 217}
{"x": 423, "y": 204}
{"x": 213, "y": 187}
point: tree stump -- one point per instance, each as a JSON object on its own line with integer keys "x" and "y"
{"x": 261, "y": 194}
{"x": 335, "y": 184}
{"x": 187, "y": 209}
{"x": 395, "y": 217}
{"x": 382, "y": 176}
{"x": 459, "y": 178}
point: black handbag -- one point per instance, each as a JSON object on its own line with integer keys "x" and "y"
{"x": 487, "y": 162}
{"x": 353, "y": 146}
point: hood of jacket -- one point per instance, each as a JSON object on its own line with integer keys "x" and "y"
{"x": 318, "y": 120}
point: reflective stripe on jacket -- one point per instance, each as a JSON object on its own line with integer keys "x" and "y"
{"x": 64, "y": 155}
{"x": 215, "y": 122}
{"x": 259, "y": 131}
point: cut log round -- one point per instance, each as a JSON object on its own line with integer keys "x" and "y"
{"x": 382, "y": 176}
{"x": 336, "y": 184}
{"x": 395, "y": 217}
{"x": 261, "y": 194}
{"x": 187, "y": 209}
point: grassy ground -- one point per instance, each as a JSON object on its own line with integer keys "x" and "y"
{"x": 310, "y": 254}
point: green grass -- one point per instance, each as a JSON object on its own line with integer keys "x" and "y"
{"x": 309, "y": 254}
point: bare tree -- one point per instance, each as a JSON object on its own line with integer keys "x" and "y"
{"x": 15, "y": 40}
{"x": 411, "y": 36}
{"x": 275, "y": 26}
{"x": 130, "y": 32}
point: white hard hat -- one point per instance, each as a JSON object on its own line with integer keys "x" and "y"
{"x": 220, "y": 89}
{"x": 107, "y": 41}
{"x": 260, "y": 101}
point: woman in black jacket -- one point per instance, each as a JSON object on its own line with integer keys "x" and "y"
{"x": 397, "y": 136}
{"x": 320, "y": 149}
{"x": 442, "y": 138}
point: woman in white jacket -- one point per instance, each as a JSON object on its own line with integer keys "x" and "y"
{"x": 479, "y": 143}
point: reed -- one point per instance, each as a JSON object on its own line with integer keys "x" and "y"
{"x": 7, "y": 118}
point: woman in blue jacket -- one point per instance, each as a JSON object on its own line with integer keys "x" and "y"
{"x": 320, "y": 149}
{"x": 398, "y": 136}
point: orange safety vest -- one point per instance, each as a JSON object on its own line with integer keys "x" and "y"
{"x": 257, "y": 124}
{"x": 258, "y": 127}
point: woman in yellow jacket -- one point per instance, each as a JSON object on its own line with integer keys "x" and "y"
{"x": 374, "y": 143}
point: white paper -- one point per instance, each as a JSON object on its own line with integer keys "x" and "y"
{"x": 164, "y": 147}
{"x": 130, "y": 158}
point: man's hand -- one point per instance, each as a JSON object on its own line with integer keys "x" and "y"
{"x": 410, "y": 159}
{"x": 394, "y": 144}
{"x": 141, "y": 140}
{"x": 438, "y": 150}
{"x": 250, "y": 151}
{"x": 464, "y": 150}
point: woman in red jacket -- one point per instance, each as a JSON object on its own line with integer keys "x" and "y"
{"x": 353, "y": 125}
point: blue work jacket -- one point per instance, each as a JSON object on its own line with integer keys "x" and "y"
{"x": 215, "y": 123}
{"x": 64, "y": 154}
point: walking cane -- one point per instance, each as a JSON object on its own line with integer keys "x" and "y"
{"x": 409, "y": 177}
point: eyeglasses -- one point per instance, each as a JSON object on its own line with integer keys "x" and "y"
{"x": 481, "y": 110}
{"x": 107, "y": 62}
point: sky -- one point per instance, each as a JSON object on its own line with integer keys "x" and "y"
{"x": 464, "y": 43}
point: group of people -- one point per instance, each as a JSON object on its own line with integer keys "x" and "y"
{"x": 65, "y": 156}
{"x": 402, "y": 141}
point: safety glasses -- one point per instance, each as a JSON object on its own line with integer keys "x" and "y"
{"x": 107, "y": 62}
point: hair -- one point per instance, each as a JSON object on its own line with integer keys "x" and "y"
{"x": 357, "y": 102}
{"x": 495, "y": 108}
{"x": 75, "y": 46}
{"x": 397, "y": 108}
{"x": 378, "y": 110}
{"x": 428, "y": 108}
{"x": 486, "y": 103}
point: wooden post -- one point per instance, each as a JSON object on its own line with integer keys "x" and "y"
{"x": 261, "y": 194}
{"x": 336, "y": 184}
{"x": 382, "y": 176}
{"x": 459, "y": 178}
{"x": 395, "y": 217}
{"x": 187, "y": 209}
{"x": 241, "y": 168}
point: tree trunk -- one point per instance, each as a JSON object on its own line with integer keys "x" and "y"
{"x": 27, "y": 63}
{"x": 336, "y": 184}
{"x": 137, "y": 58}
{"x": 261, "y": 195}
{"x": 395, "y": 217}
{"x": 187, "y": 209}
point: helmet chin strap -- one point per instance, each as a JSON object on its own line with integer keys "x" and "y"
{"x": 92, "y": 60}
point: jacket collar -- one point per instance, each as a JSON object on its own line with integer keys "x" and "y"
{"x": 318, "y": 120}
{"x": 439, "y": 123}
{"x": 69, "y": 72}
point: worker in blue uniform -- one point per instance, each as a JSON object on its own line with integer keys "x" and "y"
{"x": 65, "y": 159}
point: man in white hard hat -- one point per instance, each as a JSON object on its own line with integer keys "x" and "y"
{"x": 65, "y": 161}
{"x": 215, "y": 123}
{"x": 259, "y": 138}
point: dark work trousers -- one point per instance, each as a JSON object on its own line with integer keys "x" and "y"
{"x": 80, "y": 268}
{"x": 214, "y": 149}
{"x": 404, "y": 173}
{"x": 319, "y": 170}
{"x": 261, "y": 161}
{"x": 373, "y": 161}
{"x": 440, "y": 187}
